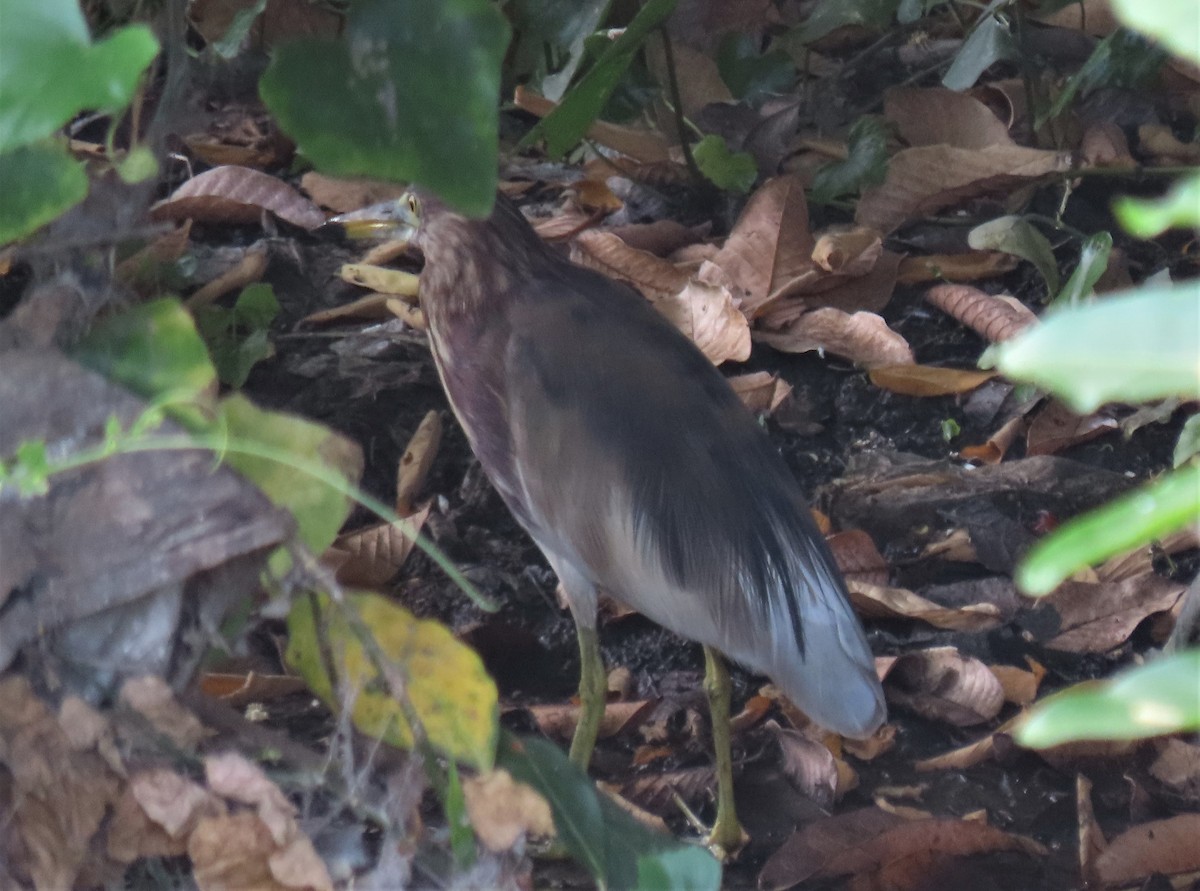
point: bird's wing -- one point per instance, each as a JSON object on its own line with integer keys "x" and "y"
{"x": 642, "y": 471}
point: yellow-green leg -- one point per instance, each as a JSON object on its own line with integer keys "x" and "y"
{"x": 593, "y": 688}
{"x": 726, "y": 837}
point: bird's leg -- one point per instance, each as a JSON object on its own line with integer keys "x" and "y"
{"x": 593, "y": 687}
{"x": 727, "y": 836}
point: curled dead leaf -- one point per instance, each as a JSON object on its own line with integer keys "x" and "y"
{"x": 761, "y": 391}
{"x": 877, "y": 601}
{"x": 863, "y": 337}
{"x": 237, "y": 195}
{"x": 993, "y": 317}
{"x": 928, "y": 380}
{"x": 708, "y": 316}
{"x": 944, "y": 685}
{"x": 955, "y": 267}
{"x": 503, "y": 810}
{"x": 417, "y": 461}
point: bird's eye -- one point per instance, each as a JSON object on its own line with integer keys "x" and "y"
{"x": 413, "y": 206}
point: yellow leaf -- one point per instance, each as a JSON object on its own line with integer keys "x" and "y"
{"x": 447, "y": 689}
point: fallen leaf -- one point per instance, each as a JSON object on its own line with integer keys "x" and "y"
{"x": 770, "y": 246}
{"x": 971, "y": 754}
{"x": 502, "y": 810}
{"x": 967, "y": 267}
{"x": 877, "y": 601}
{"x": 928, "y": 380}
{"x": 944, "y": 685}
{"x": 559, "y": 720}
{"x": 238, "y": 690}
{"x": 761, "y": 391}
{"x": 372, "y": 307}
{"x": 155, "y": 701}
{"x": 1091, "y": 837}
{"x": 1057, "y": 427}
{"x": 1020, "y": 686}
{"x": 605, "y": 252}
{"x": 1167, "y": 847}
{"x": 994, "y": 318}
{"x": 646, "y": 146}
{"x": 343, "y": 195}
{"x": 708, "y": 316}
{"x": 1104, "y": 145}
{"x": 1177, "y": 767}
{"x": 863, "y": 337}
{"x": 247, "y": 271}
{"x": 810, "y": 766}
{"x": 850, "y": 251}
{"x": 146, "y": 270}
{"x": 857, "y": 557}
{"x": 417, "y": 461}
{"x": 923, "y": 180}
{"x": 237, "y": 196}
{"x": 997, "y": 445}
{"x": 936, "y": 115}
{"x": 1094, "y": 618}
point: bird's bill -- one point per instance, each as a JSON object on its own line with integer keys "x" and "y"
{"x": 395, "y": 220}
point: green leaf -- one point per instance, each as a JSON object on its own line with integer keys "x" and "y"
{"x": 549, "y": 42}
{"x": 1173, "y": 23}
{"x": 1147, "y": 219}
{"x": 1188, "y": 445}
{"x": 50, "y": 69}
{"x": 231, "y": 42}
{"x": 865, "y": 165}
{"x": 750, "y": 74}
{"x": 829, "y": 15}
{"x": 39, "y": 183}
{"x": 447, "y": 690}
{"x": 735, "y": 171}
{"x": 238, "y": 338}
{"x": 155, "y": 351}
{"x": 989, "y": 43}
{"x": 1133, "y": 347}
{"x": 1017, "y": 236}
{"x": 319, "y": 510}
{"x": 618, "y": 851}
{"x": 1150, "y": 700}
{"x": 1121, "y": 60}
{"x": 1093, "y": 261}
{"x": 567, "y": 124}
{"x": 1147, "y": 514}
{"x": 137, "y": 166}
{"x": 409, "y": 93}
{"x": 462, "y": 838}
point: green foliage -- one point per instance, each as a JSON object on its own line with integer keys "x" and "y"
{"x": 1123, "y": 59}
{"x": 989, "y": 42}
{"x": 617, "y": 850}
{"x": 50, "y": 69}
{"x": 829, "y": 15}
{"x": 1139, "y": 518}
{"x": 1093, "y": 261}
{"x": 1173, "y": 23}
{"x": 569, "y": 121}
{"x": 238, "y": 338}
{"x": 750, "y": 74}
{"x": 39, "y": 182}
{"x": 1017, "y": 236}
{"x": 549, "y": 39}
{"x": 1131, "y": 347}
{"x": 1146, "y": 219}
{"x": 1150, "y": 700}
{"x": 865, "y": 166}
{"x": 409, "y": 93}
{"x": 735, "y": 171}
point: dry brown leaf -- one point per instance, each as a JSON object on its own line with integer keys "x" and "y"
{"x": 881, "y": 741}
{"x": 1057, "y": 427}
{"x": 233, "y": 776}
{"x": 343, "y": 195}
{"x": 852, "y": 250}
{"x": 56, "y": 798}
{"x": 605, "y": 252}
{"x": 502, "y": 810}
{"x": 559, "y": 720}
{"x": 662, "y": 237}
{"x": 994, "y": 318}
{"x": 154, "y": 700}
{"x": 942, "y": 684}
{"x": 708, "y": 316}
{"x": 858, "y": 558}
{"x": 805, "y": 854}
{"x": 1095, "y": 618}
{"x": 863, "y": 337}
{"x": 1104, "y": 145}
{"x": 1020, "y": 686}
{"x": 923, "y": 180}
{"x": 997, "y": 445}
{"x": 1091, "y": 837}
{"x": 1140, "y": 561}
{"x": 143, "y": 271}
{"x": 877, "y": 601}
{"x": 928, "y": 380}
{"x": 172, "y": 802}
{"x": 246, "y": 271}
{"x": 660, "y": 791}
{"x": 279, "y": 20}
{"x": 237, "y": 195}
{"x": 641, "y": 145}
{"x": 232, "y": 854}
{"x": 936, "y": 115}
{"x": 238, "y": 690}
{"x": 770, "y": 246}
{"x": 761, "y": 391}
{"x": 1163, "y": 846}
{"x": 810, "y": 766}
{"x": 132, "y": 835}
{"x": 417, "y": 461}
{"x": 1177, "y": 767}
{"x": 370, "y": 308}
{"x": 956, "y": 546}
{"x": 370, "y": 557}
{"x": 651, "y": 821}
{"x": 701, "y": 86}
{"x": 1160, "y": 142}
{"x": 955, "y": 267}
{"x": 973, "y": 753}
